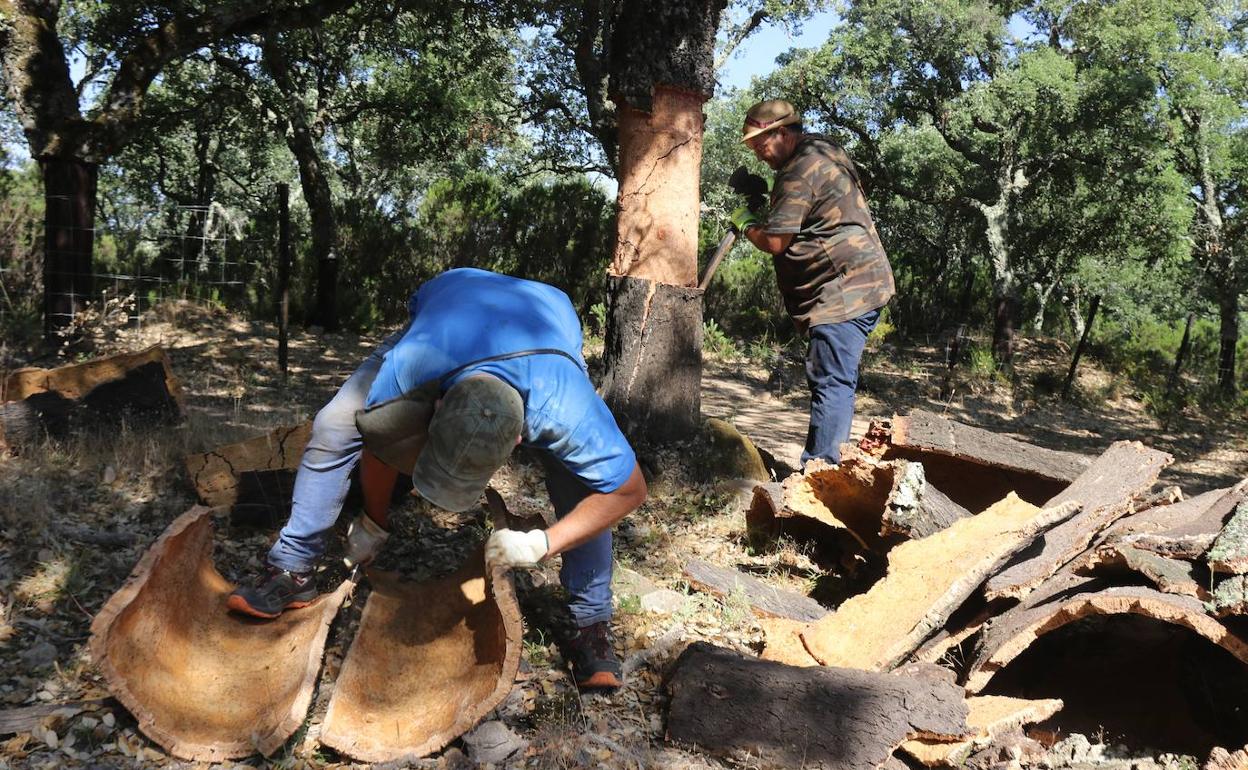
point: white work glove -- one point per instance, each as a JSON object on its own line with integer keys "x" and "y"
{"x": 365, "y": 538}
{"x": 510, "y": 548}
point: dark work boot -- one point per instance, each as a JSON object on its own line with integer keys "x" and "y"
{"x": 593, "y": 661}
{"x": 274, "y": 591}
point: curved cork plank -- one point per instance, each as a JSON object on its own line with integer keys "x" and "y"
{"x": 1071, "y": 598}
{"x": 218, "y": 474}
{"x": 203, "y": 683}
{"x": 428, "y": 662}
{"x": 1171, "y": 576}
{"x": 1229, "y": 552}
{"x": 927, "y": 580}
{"x": 795, "y": 500}
{"x": 988, "y": 716}
{"x": 787, "y": 716}
{"x": 77, "y": 380}
{"x": 56, "y": 401}
{"x": 1180, "y": 528}
{"x": 1106, "y": 489}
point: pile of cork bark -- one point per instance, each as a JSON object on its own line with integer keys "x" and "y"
{"x": 1027, "y": 593}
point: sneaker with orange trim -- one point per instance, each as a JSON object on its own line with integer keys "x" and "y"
{"x": 592, "y": 658}
{"x": 273, "y": 592}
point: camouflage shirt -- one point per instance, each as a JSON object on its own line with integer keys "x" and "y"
{"x": 835, "y": 268}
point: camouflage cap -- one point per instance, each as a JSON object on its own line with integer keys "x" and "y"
{"x": 767, "y": 115}
{"x": 470, "y": 436}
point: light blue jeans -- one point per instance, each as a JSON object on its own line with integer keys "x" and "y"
{"x": 324, "y": 477}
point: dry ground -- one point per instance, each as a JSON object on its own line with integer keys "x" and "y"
{"x": 76, "y": 516}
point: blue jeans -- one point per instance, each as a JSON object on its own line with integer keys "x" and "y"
{"x": 324, "y": 477}
{"x": 832, "y": 375}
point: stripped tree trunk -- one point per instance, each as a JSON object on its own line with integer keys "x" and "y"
{"x": 661, "y": 71}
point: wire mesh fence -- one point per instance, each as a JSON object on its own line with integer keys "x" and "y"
{"x": 202, "y": 254}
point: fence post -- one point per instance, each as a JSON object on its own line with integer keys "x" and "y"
{"x": 1083, "y": 341}
{"x": 283, "y": 275}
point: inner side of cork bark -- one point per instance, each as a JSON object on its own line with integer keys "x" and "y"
{"x": 1136, "y": 681}
{"x": 975, "y": 486}
{"x": 202, "y": 682}
{"x": 660, "y": 168}
{"x": 429, "y": 660}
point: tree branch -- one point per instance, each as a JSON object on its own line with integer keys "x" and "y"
{"x": 183, "y": 35}
{"x": 739, "y": 35}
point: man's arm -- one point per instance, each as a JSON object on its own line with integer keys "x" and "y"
{"x": 596, "y": 513}
{"x": 774, "y": 244}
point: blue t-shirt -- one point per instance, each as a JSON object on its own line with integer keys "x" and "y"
{"x": 467, "y": 314}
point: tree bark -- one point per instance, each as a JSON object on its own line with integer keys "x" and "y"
{"x": 69, "y": 237}
{"x": 654, "y": 357}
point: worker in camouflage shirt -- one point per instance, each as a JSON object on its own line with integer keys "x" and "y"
{"x": 831, "y": 268}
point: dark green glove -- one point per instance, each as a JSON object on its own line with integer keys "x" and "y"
{"x": 751, "y": 186}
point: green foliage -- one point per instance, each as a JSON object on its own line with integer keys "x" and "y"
{"x": 715, "y": 342}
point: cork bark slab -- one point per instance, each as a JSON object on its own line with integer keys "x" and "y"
{"x": 428, "y": 662}
{"x": 782, "y": 642}
{"x": 777, "y": 507}
{"x": 203, "y": 683}
{"x": 1069, "y": 598}
{"x": 103, "y": 391}
{"x": 916, "y": 508}
{"x": 1221, "y": 759}
{"x": 927, "y": 580}
{"x": 988, "y": 716}
{"x": 764, "y": 600}
{"x": 977, "y": 467}
{"x": 1171, "y": 576}
{"x": 1230, "y": 596}
{"x": 1229, "y": 552}
{"x": 660, "y": 155}
{"x": 1178, "y": 528}
{"x": 77, "y": 380}
{"x": 1106, "y": 489}
{"x": 259, "y": 470}
{"x": 816, "y": 717}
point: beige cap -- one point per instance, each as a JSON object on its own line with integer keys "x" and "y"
{"x": 767, "y": 115}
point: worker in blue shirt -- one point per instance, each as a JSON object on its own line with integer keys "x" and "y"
{"x": 486, "y": 362}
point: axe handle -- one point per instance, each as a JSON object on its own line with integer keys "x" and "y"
{"x": 726, "y": 243}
